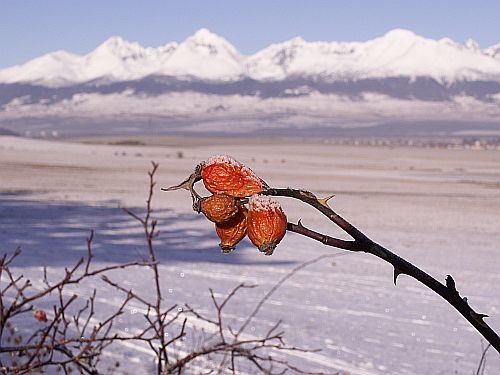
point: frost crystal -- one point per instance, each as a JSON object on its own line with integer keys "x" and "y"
{"x": 226, "y": 159}
{"x": 263, "y": 203}
{"x": 222, "y": 159}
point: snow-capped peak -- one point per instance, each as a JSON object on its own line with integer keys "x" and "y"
{"x": 205, "y": 36}
{"x": 297, "y": 41}
{"x": 55, "y": 68}
{"x": 212, "y": 43}
{"x": 119, "y": 46}
{"x": 204, "y": 55}
{"x": 113, "y": 41}
{"x": 472, "y": 45}
{"x": 400, "y": 34}
{"x": 493, "y": 51}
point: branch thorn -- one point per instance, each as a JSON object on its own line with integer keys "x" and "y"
{"x": 478, "y": 317}
{"x": 397, "y": 272}
{"x": 324, "y": 201}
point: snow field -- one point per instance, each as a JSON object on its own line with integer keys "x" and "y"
{"x": 437, "y": 208}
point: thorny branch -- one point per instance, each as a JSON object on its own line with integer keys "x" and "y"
{"x": 223, "y": 176}
{"x": 362, "y": 243}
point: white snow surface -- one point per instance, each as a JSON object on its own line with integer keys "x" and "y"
{"x": 207, "y": 56}
{"x": 437, "y": 208}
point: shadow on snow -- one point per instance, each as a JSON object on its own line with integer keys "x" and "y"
{"x": 54, "y": 234}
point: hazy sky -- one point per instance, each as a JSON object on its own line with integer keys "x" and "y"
{"x": 29, "y": 28}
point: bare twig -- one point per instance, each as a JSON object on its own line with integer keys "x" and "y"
{"x": 279, "y": 284}
{"x": 72, "y": 339}
{"x": 482, "y": 362}
{"x": 149, "y": 226}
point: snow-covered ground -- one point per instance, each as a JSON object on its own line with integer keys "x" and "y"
{"x": 437, "y": 208}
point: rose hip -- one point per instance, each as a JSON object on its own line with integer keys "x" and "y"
{"x": 219, "y": 208}
{"x": 40, "y": 315}
{"x": 266, "y": 223}
{"x": 232, "y": 231}
{"x": 223, "y": 174}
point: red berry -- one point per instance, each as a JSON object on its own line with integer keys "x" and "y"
{"x": 40, "y": 316}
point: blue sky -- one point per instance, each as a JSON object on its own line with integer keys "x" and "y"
{"x": 29, "y": 28}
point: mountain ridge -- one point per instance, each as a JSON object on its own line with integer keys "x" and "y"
{"x": 204, "y": 84}
{"x": 206, "y": 56}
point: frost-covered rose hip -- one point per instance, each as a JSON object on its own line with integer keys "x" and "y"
{"x": 232, "y": 231}
{"x": 223, "y": 174}
{"x": 266, "y": 223}
{"x": 219, "y": 208}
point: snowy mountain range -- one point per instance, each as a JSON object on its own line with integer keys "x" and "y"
{"x": 398, "y": 76}
{"x": 208, "y": 57}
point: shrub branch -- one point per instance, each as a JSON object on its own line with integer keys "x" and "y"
{"x": 362, "y": 243}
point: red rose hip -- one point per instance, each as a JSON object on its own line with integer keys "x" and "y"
{"x": 266, "y": 223}
{"x": 219, "y": 208}
{"x": 232, "y": 231}
{"x": 223, "y": 174}
{"x": 40, "y": 315}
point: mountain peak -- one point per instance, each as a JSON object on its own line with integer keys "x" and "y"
{"x": 471, "y": 44}
{"x": 114, "y": 42}
{"x": 400, "y": 34}
{"x": 205, "y": 43}
{"x": 118, "y": 47}
{"x": 297, "y": 41}
{"x": 493, "y": 51}
{"x": 205, "y": 36}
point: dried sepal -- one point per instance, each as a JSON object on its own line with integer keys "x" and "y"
{"x": 223, "y": 174}
{"x": 232, "y": 231}
{"x": 219, "y": 208}
{"x": 266, "y": 223}
{"x": 188, "y": 184}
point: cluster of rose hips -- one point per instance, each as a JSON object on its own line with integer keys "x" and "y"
{"x": 233, "y": 185}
